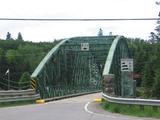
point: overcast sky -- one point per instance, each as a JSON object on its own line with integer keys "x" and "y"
{"x": 50, "y": 30}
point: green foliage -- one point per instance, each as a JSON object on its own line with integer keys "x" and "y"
{"x": 24, "y": 81}
{"x": 146, "y": 62}
{"x": 133, "y": 110}
{"x": 20, "y": 56}
{"x": 11, "y": 56}
{"x": 148, "y": 79}
{"x": 20, "y": 37}
{"x": 155, "y": 36}
{"x": 1, "y": 54}
{"x": 156, "y": 85}
{"x": 8, "y": 36}
{"x": 139, "y": 52}
{"x": 141, "y": 92}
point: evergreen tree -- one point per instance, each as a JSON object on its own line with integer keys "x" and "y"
{"x": 148, "y": 78}
{"x": 157, "y": 29}
{"x": 156, "y": 36}
{"x": 21, "y": 57}
{"x": 8, "y": 36}
{"x": 152, "y": 37}
{"x": 20, "y": 38}
{"x": 100, "y": 33}
{"x": 156, "y": 85}
{"x": 1, "y": 55}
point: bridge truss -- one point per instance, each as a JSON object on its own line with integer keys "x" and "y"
{"x": 70, "y": 69}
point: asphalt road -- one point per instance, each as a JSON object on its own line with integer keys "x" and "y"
{"x": 77, "y": 108}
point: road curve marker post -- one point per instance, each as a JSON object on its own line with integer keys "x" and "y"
{"x": 98, "y": 100}
{"x": 40, "y": 101}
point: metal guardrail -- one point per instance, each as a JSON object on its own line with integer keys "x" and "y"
{"x": 18, "y": 95}
{"x": 16, "y": 92}
{"x": 110, "y": 56}
{"x": 132, "y": 101}
{"x": 19, "y": 98}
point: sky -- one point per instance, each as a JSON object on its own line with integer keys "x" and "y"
{"x": 50, "y": 30}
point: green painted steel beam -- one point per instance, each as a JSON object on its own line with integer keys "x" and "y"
{"x": 116, "y": 82}
{"x": 110, "y": 56}
{"x": 46, "y": 59}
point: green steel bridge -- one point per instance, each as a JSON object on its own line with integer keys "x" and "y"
{"x": 84, "y": 64}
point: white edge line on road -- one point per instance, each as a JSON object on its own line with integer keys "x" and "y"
{"x": 86, "y": 108}
{"x": 109, "y": 116}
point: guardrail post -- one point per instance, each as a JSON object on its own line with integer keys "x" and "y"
{"x": 141, "y": 107}
{"x": 155, "y": 108}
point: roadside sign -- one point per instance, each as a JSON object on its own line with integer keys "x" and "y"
{"x": 127, "y": 65}
{"x": 84, "y": 46}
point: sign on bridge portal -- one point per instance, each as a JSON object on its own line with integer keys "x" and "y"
{"x": 85, "y": 46}
{"x": 127, "y": 65}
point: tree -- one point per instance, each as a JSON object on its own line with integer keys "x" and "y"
{"x": 20, "y": 57}
{"x": 147, "y": 77}
{"x": 157, "y": 29}
{"x": 24, "y": 81}
{"x": 8, "y": 36}
{"x": 20, "y": 38}
{"x": 100, "y": 33}
{"x": 147, "y": 65}
{"x": 152, "y": 37}
{"x": 156, "y": 36}
{"x": 156, "y": 85}
{"x": 1, "y": 55}
{"x": 11, "y": 56}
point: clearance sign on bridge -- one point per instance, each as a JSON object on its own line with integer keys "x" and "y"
{"x": 84, "y": 46}
{"x": 127, "y": 65}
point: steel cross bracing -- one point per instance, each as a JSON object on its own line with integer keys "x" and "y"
{"x": 67, "y": 69}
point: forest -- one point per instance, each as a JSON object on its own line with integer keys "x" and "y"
{"x": 18, "y": 59}
{"x": 146, "y": 57}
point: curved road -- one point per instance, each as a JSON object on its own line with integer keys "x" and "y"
{"x": 77, "y": 108}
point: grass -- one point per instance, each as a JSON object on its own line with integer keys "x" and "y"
{"x": 133, "y": 110}
{"x": 16, "y": 103}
